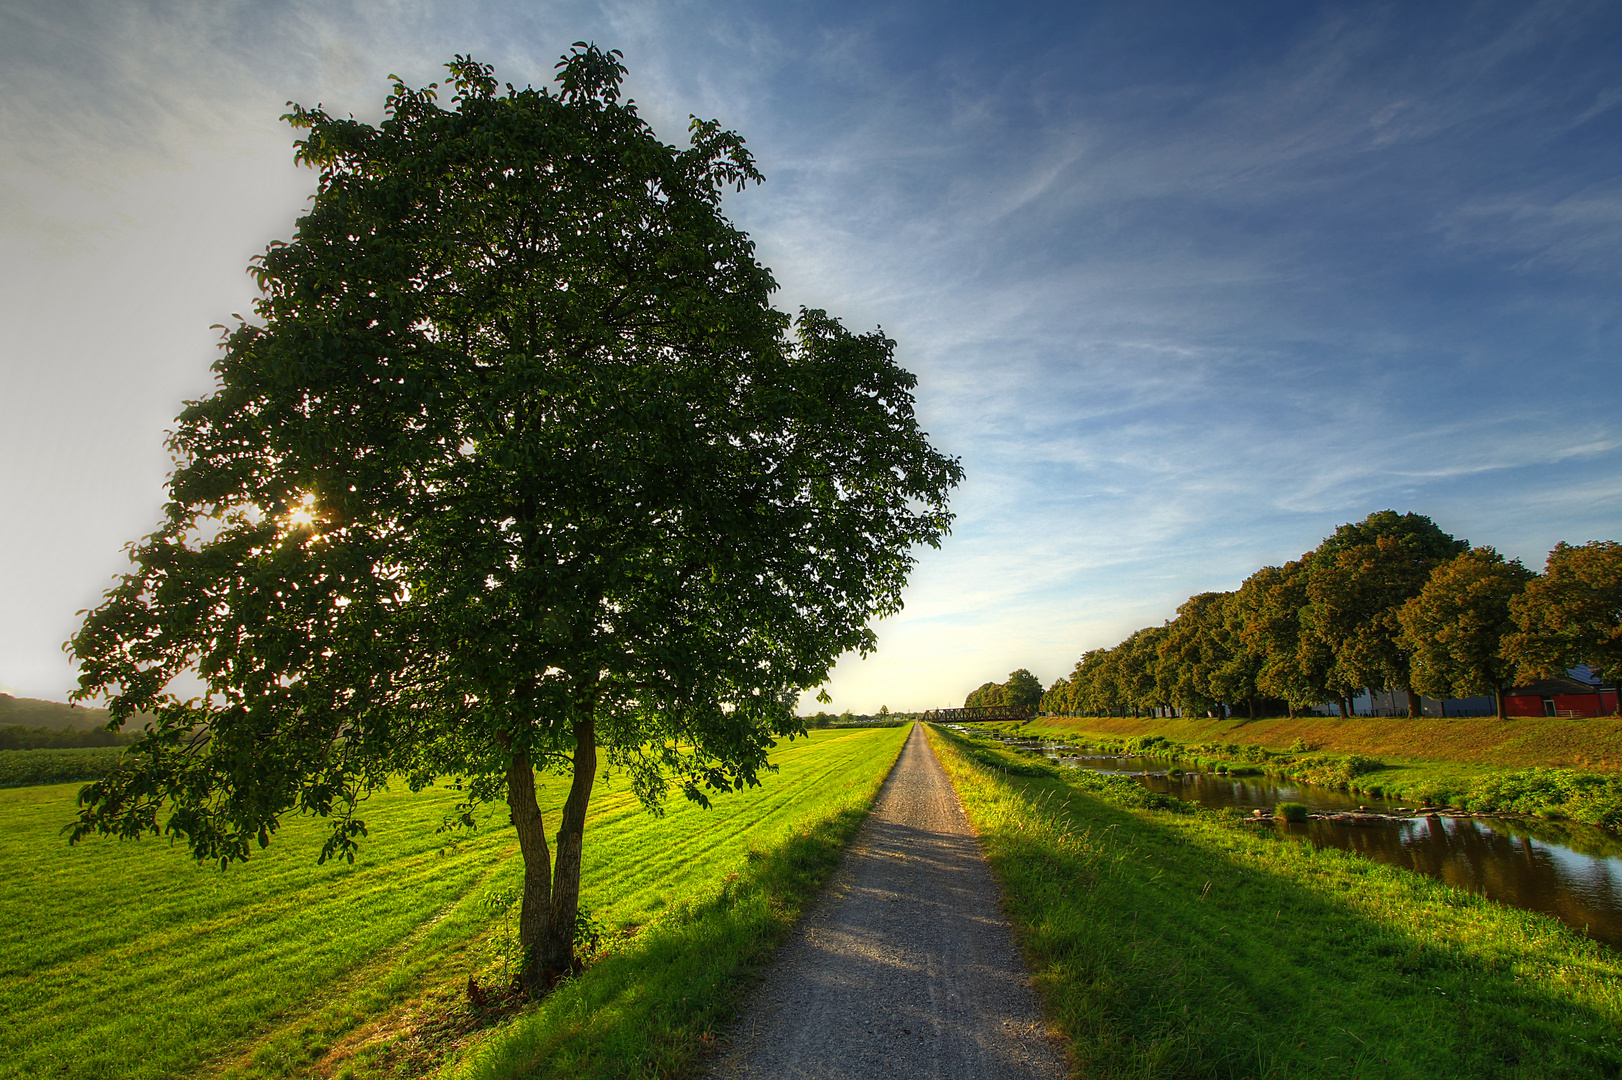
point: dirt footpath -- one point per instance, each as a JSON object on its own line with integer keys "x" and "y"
{"x": 906, "y": 969}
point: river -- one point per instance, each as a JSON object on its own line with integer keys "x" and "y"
{"x": 1573, "y": 872}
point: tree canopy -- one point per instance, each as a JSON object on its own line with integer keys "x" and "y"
{"x": 1197, "y": 652}
{"x": 1391, "y": 601}
{"x": 514, "y": 464}
{"x": 986, "y": 695}
{"x": 1357, "y": 582}
{"x": 1572, "y": 614}
{"x": 1022, "y": 690}
{"x": 1453, "y": 629}
{"x": 1267, "y": 612}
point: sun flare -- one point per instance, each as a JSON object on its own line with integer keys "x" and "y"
{"x": 302, "y": 515}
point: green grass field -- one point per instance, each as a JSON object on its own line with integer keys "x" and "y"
{"x": 1171, "y": 942}
{"x": 128, "y": 961}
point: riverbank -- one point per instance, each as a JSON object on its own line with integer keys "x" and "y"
{"x": 1528, "y": 742}
{"x": 1171, "y": 941}
{"x": 1558, "y": 770}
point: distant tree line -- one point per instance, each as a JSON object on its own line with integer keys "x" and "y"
{"x": 17, "y": 737}
{"x": 1389, "y": 603}
{"x": 883, "y": 718}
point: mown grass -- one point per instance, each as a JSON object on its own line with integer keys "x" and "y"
{"x": 1531, "y": 788}
{"x": 1172, "y": 943}
{"x": 128, "y": 960}
{"x": 651, "y": 1009}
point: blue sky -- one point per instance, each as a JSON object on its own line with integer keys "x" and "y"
{"x": 1185, "y": 285}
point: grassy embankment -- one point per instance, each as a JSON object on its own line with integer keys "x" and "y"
{"x": 1542, "y": 767}
{"x": 129, "y": 960}
{"x": 1171, "y": 942}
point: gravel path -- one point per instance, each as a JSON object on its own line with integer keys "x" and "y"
{"x": 906, "y": 969}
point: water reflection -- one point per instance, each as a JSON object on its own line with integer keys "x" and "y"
{"x": 1572, "y": 872}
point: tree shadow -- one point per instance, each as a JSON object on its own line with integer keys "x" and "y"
{"x": 1179, "y": 946}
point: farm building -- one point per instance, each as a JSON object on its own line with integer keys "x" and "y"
{"x": 1576, "y": 694}
{"x": 1560, "y": 697}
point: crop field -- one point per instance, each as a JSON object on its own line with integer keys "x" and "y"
{"x": 52, "y": 766}
{"x": 129, "y": 960}
{"x": 1167, "y": 941}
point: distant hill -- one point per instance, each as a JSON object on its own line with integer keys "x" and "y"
{"x": 33, "y": 713}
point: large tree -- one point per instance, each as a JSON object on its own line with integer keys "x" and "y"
{"x": 1357, "y": 581}
{"x": 1138, "y": 678}
{"x": 1056, "y": 699}
{"x": 516, "y": 468}
{"x": 1266, "y": 613}
{"x": 985, "y": 696}
{"x": 1453, "y": 631}
{"x": 1234, "y": 675}
{"x": 1572, "y": 615}
{"x": 1197, "y": 653}
{"x": 1022, "y": 690}
{"x": 1091, "y": 689}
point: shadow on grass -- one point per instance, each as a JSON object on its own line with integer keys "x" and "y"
{"x": 1173, "y": 945}
{"x": 651, "y": 1007}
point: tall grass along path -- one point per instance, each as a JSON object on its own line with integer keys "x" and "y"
{"x": 907, "y": 969}
{"x": 1169, "y": 941}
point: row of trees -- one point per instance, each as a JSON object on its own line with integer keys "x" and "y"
{"x": 824, "y": 719}
{"x": 1389, "y": 603}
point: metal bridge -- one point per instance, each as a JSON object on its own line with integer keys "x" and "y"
{"x": 982, "y": 713}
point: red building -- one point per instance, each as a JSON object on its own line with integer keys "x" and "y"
{"x": 1559, "y": 697}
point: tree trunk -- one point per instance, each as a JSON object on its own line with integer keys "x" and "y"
{"x": 1415, "y": 706}
{"x": 1251, "y": 703}
{"x": 551, "y": 897}
{"x": 1616, "y": 686}
{"x": 535, "y": 910}
{"x": 1291, "y": 706}
{"x": 557, "y": 950}
{"x": 1345, "y": 710}
{"x": 1498, "y": 696}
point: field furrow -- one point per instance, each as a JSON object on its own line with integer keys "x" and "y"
{"x": 129, "y": 960}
